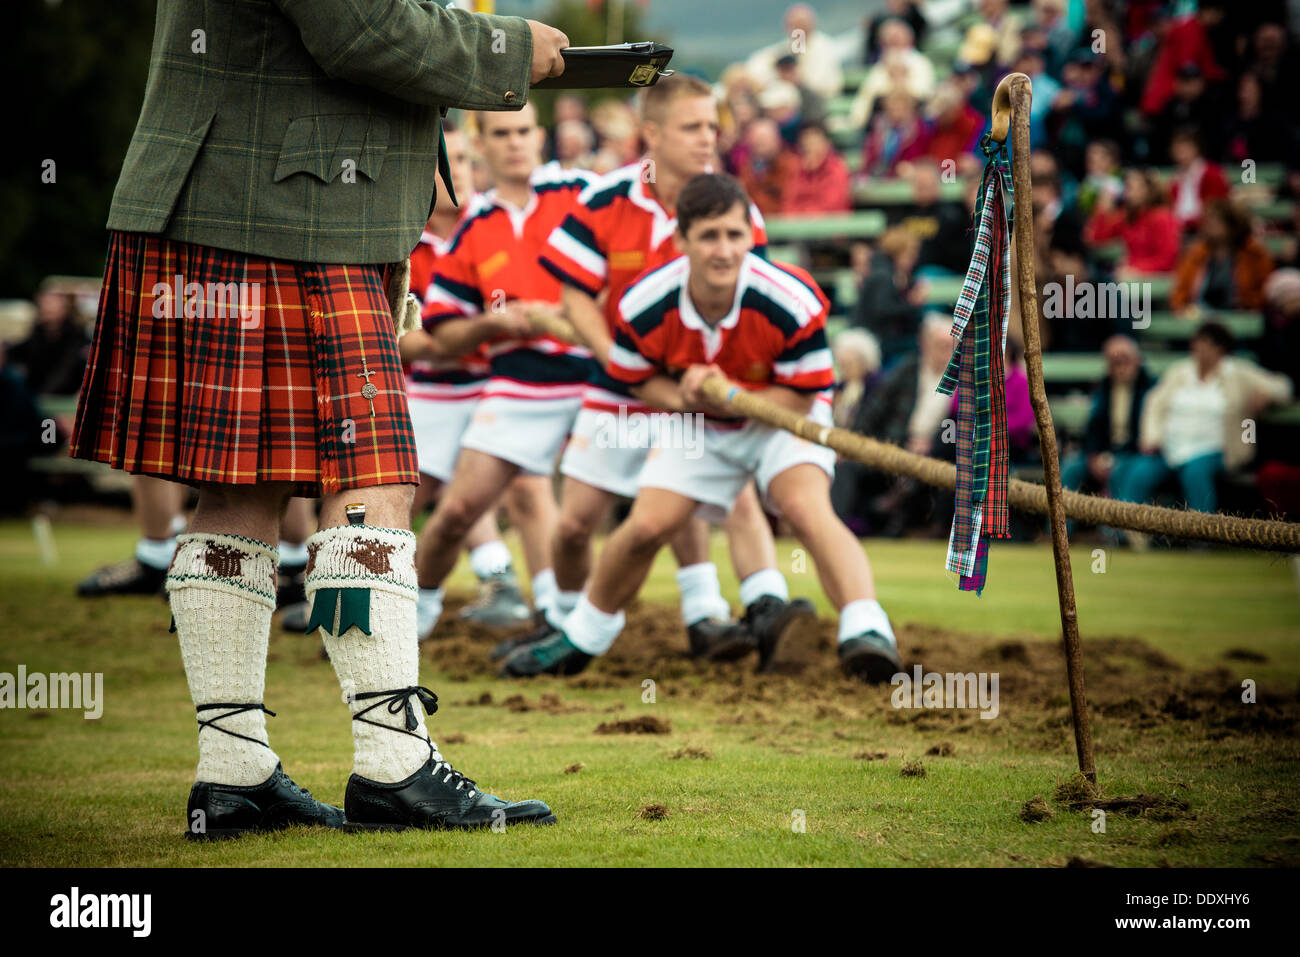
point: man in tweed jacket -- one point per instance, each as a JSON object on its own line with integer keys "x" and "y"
{"x": 285, "y": 159}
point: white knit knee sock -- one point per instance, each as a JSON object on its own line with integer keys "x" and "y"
{"x": 222, "y": 593}
{"x": 386, "y": 660}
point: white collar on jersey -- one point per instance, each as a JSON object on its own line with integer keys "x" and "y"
{"x": 664, "y": 225}
{"x": 712, "y": 332}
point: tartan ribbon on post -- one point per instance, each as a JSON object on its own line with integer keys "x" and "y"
{"x": 976, "y": 374}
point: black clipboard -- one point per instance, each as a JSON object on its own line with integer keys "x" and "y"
{"x": 623, "y": 65}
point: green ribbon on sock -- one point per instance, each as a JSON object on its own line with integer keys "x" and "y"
{"x": 352, "y": 606}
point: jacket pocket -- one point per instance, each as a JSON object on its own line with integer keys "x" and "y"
{"x": 328, "y": 146}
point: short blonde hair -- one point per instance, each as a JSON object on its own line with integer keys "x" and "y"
{"x": 656, "y": 100}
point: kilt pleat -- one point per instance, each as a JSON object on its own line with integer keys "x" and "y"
{"x": 264, "y": 384}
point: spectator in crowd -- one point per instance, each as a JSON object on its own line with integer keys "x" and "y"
{"x": 1084, "y": 109}
{"x": 1186, "y": 51}
{"x": 1195, "y": 105}
{"x": 767, "y": 167}
{"x": 1056, "y": 219}
{"x": 819, "y": 61}
{"x": 1110, "y": 439}
{"x": 20, "y": 434}
{"x": 1142, "y": 222}
{"x": 1192, "y": 419}
{"x": 897, "y": 136}
{"x": 1196, "y": 181}
{"x": 1256, "y": 132}
{"x": 857, "y": 364}
{"x": 901, "y": 66}
{"x": 942, "y": 226}
{"x": 1058, "y": 36}
{"x": 1032, "y": 62}
{"x": 955, "y": 128}
{"x": 617, "y": 140}
{"x": 1279, "y": 347}
{"x": 820, "y": 180}
{"x": 812, "y": 107}
{"x": 908, "y": 11}
{"x": 889, "y": 303}
{"x": 53, "y": 357}
{"x": 780, "y": 102}
{"x": 573, "y": 145}
{"x": 1226, "y": 267}
{"x": 998, "y": 23}
{"x": 903, "y": 410}
{"x": 1102, "y": 175}
{"x": 1275, "y": 60}
{"x": 740, "y": 114}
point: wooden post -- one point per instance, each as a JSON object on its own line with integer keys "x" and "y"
{"x": 1011, "y": 109}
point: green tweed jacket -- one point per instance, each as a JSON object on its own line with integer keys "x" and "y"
{"x": 308, "y": 130}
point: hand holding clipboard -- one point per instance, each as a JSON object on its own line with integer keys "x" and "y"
{"x": 610, "y": 67}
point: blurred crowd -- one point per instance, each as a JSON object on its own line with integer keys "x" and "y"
{"x": 1164, "y": 152}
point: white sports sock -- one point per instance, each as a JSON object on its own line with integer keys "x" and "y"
{"x": 865, "y": 614}
{"x": 293, "y": 553}
{"x": 489, "y": 559}
{"x": 562, "y": 608}
{"x": 701, "y": 593}
{"x": 222, "y": 593}
{"x": 592, "y": 630}
{"x": 428, "y": 610}
{"x": 154, "y": 552}
{"x": 179, "y": 523}
{"x": 545, "y": 591}
{"x": 767, "y": 581}
{"x": 387, "y": 659}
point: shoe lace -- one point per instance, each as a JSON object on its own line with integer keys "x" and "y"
{"x": 235, "y": 709}
{"x": 399, "y": 701}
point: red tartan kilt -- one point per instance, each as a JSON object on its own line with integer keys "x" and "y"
{"x": 271, "y": 392}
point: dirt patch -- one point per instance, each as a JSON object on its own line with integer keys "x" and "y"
{"x": 653, "y": 812}
{"x": 912, "y": 769}
{"x": 1084, "y": 862}
{"x": 871, "y": 755}
{"x": 702, "y": 754}
{"x": 550, "y": 703}
{"x": 644, "y": 724}
{"x": 1035, "y": 811}
{"x": 1244, "y": 654}
{"x": 1077, "y": 790}
{"x": 1131, "y": 686}
{"x": 574, "y": 768}
{"x": 454, "y": 738}
{"x": 944, "y": 749}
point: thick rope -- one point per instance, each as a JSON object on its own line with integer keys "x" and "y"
{"x": 1025, "y": 496}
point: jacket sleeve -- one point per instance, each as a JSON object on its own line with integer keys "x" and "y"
{"x": 1155, "y": 408}
{"x": 419, "y": 52}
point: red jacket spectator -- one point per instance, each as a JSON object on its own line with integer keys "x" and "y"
{"x": 955, "y": 133}
{"x": 1186, "y": 41}
{"x": 1150, "y": 238}
{"x": 820, "y": 180}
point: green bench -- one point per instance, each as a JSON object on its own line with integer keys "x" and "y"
{"x": 897, "y": 192}
{"x": 867, "y": 224}
{"x": 1170, "y": 327}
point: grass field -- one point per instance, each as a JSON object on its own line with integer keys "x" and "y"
{"x": 1169, "y": 638}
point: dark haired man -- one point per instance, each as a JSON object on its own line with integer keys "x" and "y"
{"x": 719, "y": 310}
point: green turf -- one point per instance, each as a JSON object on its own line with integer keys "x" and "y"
{"x": 111, "y": 791}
